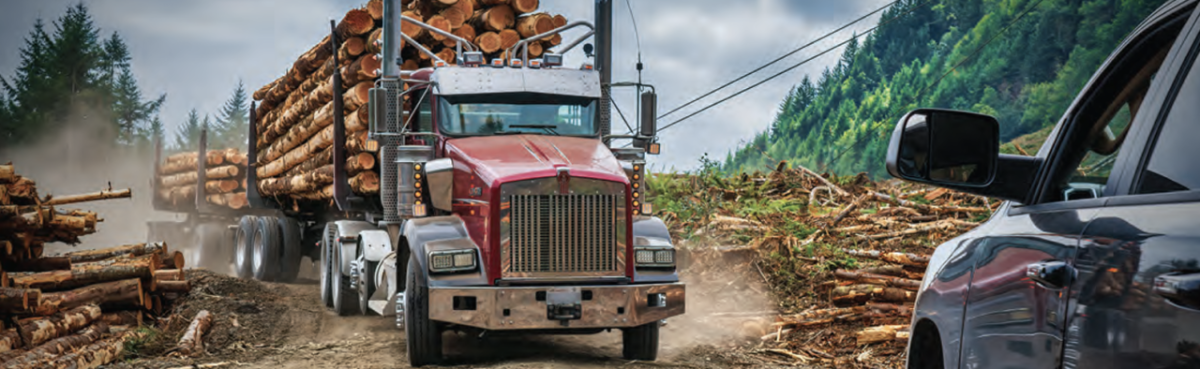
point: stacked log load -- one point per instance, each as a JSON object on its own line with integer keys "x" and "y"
{"x": 295, "y": 112}
{"x": 224, "y": 172}
{"x": 75, "y": 309}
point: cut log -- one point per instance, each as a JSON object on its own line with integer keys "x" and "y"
{"x": 891, "y": 257}
{"x": 881, "y": 333}
{"x": 7, "y": 173}
{"x": 325, "y": 157}
{"x": 83, "y": 274}
{"x": 300, "y": 133}
{"x": 187, "y": 161}
{"x": 126, "y": 292}
{"x": 892, "y": 270}
{"x": 169, "y": 275}
{"x": 359, "y": 119}
{"x": 220, "y": 186}
{"x": 523, "y": 6}
{"x": 363, "y": 69}
{"x": 442, "y": 3}
{"x": 175, "y": 259}
{"x": 359, "y": 163}
{"x": 375, "y": 8}
{"x": 23, "y": 191}
{"x": 455, "y": 16}
{"x": 10, "y": 340}
{"x": 189, "y": 178}
{"x": 813, "y": 317}
{"x": 374, "y": 42}
{"x": 496, "y": 18}
{"x": 447, "y": 55}
{"x": 216, "y": 199}
{"x": 859, "y": 294}
{"x": 173, "y": 286}
{"x": 296, "y": 156}
{"x": 509, "y": 38}
{"x": 894, "y": 309}
{"x": 558, "y": 20}
{"x": 357, "y": 96}
{"x": 324, "y": 194}
{"x": 18, "y": 300}
{"x": 124, "y": 317}
{"x": 237, "y": 200}
{"x": 466, "y": 32}
{"x": 439, "y": 22}
{"x": 411, "y": 30}
{"x": 489, "y": 42}
{"x": 261, "y": 92}
{"x": 35, "y": 331}
{"x": 87, "y": 197}
{"x": 878, "y": 279}
{"x": 36, "y": 357}
{"x": 534, "y": 24}
{"x": 352, "y": 48}
{"x": 306, "y": 182}
{"x": 139, "y": 249}
{"x": 96, "y": 354}
{"x": 192, "y": 341}
{"x": 535, "y": 49}
{"x": 365, "y": 183}
{"x": 493, "y": 2}
{"x": 467, "y": 7}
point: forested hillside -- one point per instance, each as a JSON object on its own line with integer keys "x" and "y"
{"x": 1021, "y": 61}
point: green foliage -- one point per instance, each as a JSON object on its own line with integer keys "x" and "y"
{"x": 1026, "y": 77}
{"x": 232, "y": 121}
{"x": 136, "y": 344}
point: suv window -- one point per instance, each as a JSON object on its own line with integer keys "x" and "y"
{"x": 1092, "y": 143}
{"x": 1172, "y": 166}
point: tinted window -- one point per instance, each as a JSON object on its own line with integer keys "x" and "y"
{"x": 1173, "y": 163}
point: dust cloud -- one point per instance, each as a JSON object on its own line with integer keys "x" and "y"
{"x": 79, "y": 157}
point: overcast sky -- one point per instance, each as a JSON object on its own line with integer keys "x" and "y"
{"x": 196, "y": 52}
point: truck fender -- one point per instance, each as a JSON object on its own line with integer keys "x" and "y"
{"x": 426, "y": 234}
{"x": 649, "y": 231}
{"x": 347, "y": 237}
{"x": 376, "y": 244}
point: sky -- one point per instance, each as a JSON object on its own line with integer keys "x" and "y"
{"x": 196, "y": 52}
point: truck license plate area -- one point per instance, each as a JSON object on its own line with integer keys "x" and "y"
{"x": 564, "y": 304}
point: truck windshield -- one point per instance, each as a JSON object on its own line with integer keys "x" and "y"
{"x": 517, "y": 114}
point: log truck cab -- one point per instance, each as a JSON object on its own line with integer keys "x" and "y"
{"x": 504, "y": 208}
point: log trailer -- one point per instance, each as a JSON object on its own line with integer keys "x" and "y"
{"x": 502, "y": 205}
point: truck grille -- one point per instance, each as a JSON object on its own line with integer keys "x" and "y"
{"x": 562, "y": 234}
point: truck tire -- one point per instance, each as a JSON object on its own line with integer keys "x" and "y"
{"x": 325, "y": 261}
{"x": 210, "y": 249}
{"x": 423, "y": 337}
{"x": 345, "y": 299}
{"x": 265, "y": 257}
{"x": 641, "y": 342}
{"x": 290, "y": 253}
{"x": 242, "y": 244}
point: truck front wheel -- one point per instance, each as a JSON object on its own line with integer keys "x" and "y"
{"x": 423, "y": 337}
{"x": 641, "y": 342}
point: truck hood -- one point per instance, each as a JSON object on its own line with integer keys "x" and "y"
{"x": 499, "y": 159}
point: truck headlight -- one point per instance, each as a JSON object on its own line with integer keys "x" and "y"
{"x": 451, "y": 261}
{"x": 654, "y": 257}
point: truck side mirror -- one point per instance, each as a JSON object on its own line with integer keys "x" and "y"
{"x": 945, "y": 147}
{"x": 649, "y": 124}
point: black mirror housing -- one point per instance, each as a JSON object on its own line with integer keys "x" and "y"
{"x": 958, "y": 150}
{"x": 649, "y": 121}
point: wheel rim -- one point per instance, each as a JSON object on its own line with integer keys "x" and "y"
{"x": 257, "y": 252}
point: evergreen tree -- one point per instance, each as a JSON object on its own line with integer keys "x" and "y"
{"x": 131, "y": 114}
{"x": 29, "y": 95}
{"x": 231, "y": 122}
{"x": 76, "y": 49}
{"x": 188, "y": 135}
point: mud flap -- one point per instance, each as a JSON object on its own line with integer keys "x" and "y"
{"x": 383, "y": 301}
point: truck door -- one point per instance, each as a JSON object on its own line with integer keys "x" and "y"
{"x": 1138, "y": 302}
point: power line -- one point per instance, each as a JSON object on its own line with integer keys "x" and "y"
{"x": 797, "y": 65}
{"x": 764, "y": 66}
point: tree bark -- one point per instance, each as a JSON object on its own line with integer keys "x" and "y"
{"x": 175, "y": 259}
{"x": 220, "y": 186}
{"x": 10, "y": 340}
{"x": 126, "y": 292}
{"x": 324, "y": 194}
{"x": 23, "y": 191}
{"x": 359, "y": 119}
{"x": 365, "y": 183}
{"x": 509, "y": 38}
{"x": 892, "y": 257}
{"x": 173, "y": 286}
{"x": 87, "y": 197}
{"x": 188, "y": 161}
{"x": 534, "y": 24}
{"x": 455, "y": 16}
{"x": 35, "y": 331}
{"x": 363, "y": 69}
{"x": 360, "y": 163}
{"x": 357, "y": 96}
{"x": 811, "y": 317}
{"x": 169, "y": 275}
{"x": 36, "y": 358}
{"x": 496, "y": 18}
{"x": 878, "y": 279}
{"x": 138, "y": 249}
{"x": 18, "y": 300}
{"x": 192, "y": 342}
{"x": 375, "y": 8}
{"x": 862, "y": 293}
{"x": 83, "y": 274}
{"x": 95, "y": 354}
{"x": 7, "y": 173}
{"x": 189, "y": 178}
{"x": 124, "y": 317}
{"x": 296, "y": 184}
{"x": 881, "y": 333}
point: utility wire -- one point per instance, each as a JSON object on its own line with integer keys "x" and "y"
{"x": 764, "y": 66}
{"x": 794, "y": 66}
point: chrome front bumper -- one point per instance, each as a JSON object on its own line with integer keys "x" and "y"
{"x": 549, "y": 307}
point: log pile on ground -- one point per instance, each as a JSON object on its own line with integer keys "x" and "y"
{"x": 178, "y": 176}
{"x": 75, "y": 309}
{"x": 295, "y": 112}
{"x": 843, "y": 257}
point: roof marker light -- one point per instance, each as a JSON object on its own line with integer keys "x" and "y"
{"x": 515, "y": 63}
{"x": 587, "y": 66}
{"x": 498, "y": 63}
{"x": 439, "y": 63}
{"x": 535, "y": 63}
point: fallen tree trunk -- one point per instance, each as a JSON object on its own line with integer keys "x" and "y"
{"x": 111, "y": 252}
{"x": 878, "y": 279}
{"x": 37, "y": 357}
{"x": 881, "y": 333}
{"x": 127, "y": 292}
{"x": 891, "y": 257}
{"x": 35, "y": 331}
{"x": 90, "y": 273}
{"x": 859, "y": 294}
{"x": 192, "y": 342}
{"x": 95, "y": 196}
{"x": 95, "y": 354}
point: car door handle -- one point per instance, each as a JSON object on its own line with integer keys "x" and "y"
{"x": 1180, "y": 288}
{"x": 1052, "y": 274}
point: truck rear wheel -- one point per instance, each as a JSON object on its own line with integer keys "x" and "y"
{"x": 423, "y": 337}
{"x": 242, "y": 244}
{"x": 641, "y": 342}
{"x": 345, "y": 300}
{"x": 265, "y": 257}
{"x": 290, "y": 253}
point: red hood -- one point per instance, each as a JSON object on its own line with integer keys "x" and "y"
{"x": 518, "y": 157}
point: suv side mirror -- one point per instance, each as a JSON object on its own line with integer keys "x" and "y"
{"x": 945, "y": 147}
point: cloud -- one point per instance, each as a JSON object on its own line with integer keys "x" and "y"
{"x": 195, "y": 52}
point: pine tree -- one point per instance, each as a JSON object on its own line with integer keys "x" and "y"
{"x": 188, "y": 135}
{"x": 76, "y": 49}
{"x": 29, "y": 94}
{"x": 232, "y": 120}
